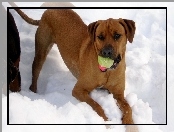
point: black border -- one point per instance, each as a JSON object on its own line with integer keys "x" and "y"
{"x": 86, "y": 8}
{"x": 89, "y": 8}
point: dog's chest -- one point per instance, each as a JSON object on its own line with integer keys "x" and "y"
{"x": 103, "y": 78}
{"x": 108, "y": 79}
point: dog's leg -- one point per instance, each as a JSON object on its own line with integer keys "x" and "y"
{"x": 43, "y": 44}
{"x": 131, "y": 128}
{"x": 81, "y": 92}
{"x": 15, "y": 86}
{"x": 118, "y": 94}
{"x": 125, "y": 108}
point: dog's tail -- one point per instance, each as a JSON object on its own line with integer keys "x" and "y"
{"x": 24, "y": 16}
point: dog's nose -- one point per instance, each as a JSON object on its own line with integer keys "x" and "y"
{"x": 107, "y": 51}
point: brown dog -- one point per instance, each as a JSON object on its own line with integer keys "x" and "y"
{"x": 79, "y": 46}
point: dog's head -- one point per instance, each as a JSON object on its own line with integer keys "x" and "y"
{"x": 110, "y": 37}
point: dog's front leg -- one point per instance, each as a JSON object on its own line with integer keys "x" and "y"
{"x": 81, "y": 92}
{"x": 125, "y": 108}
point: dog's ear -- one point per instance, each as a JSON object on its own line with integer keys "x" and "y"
{"x": 129, "y": 26}
{"x": 91, "y": 29}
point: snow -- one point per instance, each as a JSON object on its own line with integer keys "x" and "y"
{"x": 145, "y": 77}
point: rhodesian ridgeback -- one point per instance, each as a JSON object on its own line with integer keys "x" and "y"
{"x": 80, "y": 45}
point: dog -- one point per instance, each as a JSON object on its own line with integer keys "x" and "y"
{"x": 80, "y": 45}
{"x": 13, "y": 55}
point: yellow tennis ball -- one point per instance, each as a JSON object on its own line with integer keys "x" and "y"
{"x": 105, "y": 62}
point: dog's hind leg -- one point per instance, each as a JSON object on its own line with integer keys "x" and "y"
{"x": 43, "y": 44}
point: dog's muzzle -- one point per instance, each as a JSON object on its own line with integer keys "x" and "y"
{"x": 108, "y": 52}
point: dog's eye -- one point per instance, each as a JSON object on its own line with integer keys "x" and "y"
{"x": 116, "y": 36}
{"x": 101, "y": 37}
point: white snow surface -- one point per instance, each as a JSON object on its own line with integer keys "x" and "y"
{"x": 145, "y": 77}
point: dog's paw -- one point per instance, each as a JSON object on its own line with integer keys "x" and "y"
{"x": 33, "y": 89}
{"x": 126, "y": 120}
{"x": 131, "y": 128}
{"x": 100, "y": 112}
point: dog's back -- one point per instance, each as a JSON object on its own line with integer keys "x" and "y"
{"x": 69, "y": 31}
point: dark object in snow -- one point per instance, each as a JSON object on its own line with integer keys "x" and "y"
{"x": 13, "y": 55}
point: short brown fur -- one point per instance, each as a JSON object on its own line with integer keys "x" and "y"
{"x": 79, "y": 47}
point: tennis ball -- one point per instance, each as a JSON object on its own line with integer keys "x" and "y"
{"x": 105, "y": 62}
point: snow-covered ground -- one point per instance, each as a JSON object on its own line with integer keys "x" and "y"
{"x": 145, "y": 77}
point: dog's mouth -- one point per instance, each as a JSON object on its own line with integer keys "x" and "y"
{"x": 107, "y": 63}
